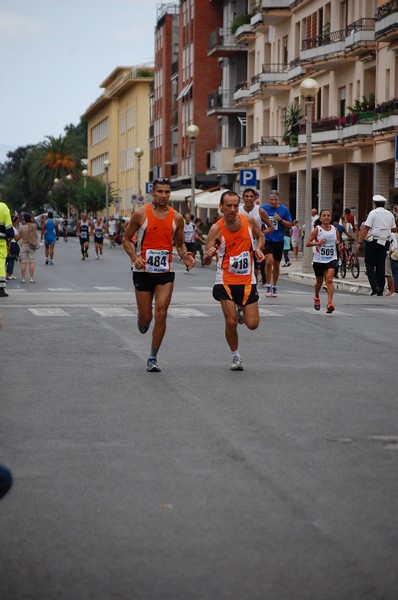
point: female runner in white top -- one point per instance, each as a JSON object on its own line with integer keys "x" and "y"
{"x": 324, "y": 238}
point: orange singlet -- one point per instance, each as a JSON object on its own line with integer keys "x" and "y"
{"x": 235, "y": 265}
{"x": 155, "y": 241}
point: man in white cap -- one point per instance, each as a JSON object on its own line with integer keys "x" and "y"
{"x": 376, "y": 232}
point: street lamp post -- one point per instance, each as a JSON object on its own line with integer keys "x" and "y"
{"x": 69, "y": 178}
{"x": 193, "y": 132}
{"x": 107, "y": 164}
{"x": 138, "y": 153}
{"x": 84, "y": 173}
{"x": 308, "y": 89}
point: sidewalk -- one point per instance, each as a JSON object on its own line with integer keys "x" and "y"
{"x": 349, "y": 284}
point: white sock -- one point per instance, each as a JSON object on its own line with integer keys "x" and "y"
{"x": 235, "y": 353}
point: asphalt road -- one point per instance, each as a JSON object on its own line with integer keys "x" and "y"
{"x": 275, "y": 483}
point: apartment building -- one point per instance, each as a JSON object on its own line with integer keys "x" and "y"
{"x": 118, "y": 123}
{"x": 349, "y": 48}
{"x": 185, "y": 77}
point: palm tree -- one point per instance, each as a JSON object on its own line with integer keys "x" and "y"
{"x": 53, "y": 158}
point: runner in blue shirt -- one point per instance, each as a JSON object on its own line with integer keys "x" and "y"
{"x": 281, "y": 220}
{"x": 49, "y": 231}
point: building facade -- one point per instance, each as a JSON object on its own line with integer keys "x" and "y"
{"x": 185, "y": 77}
{"x": 349, "y": 48}
{"x": 118, "y": 123}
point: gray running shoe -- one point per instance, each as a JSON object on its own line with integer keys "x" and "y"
{"x": 152, "y": 365}
{"x": 236, "y": 364}
{"x": 241, "y": 318}
{"x": 142, "y": 328}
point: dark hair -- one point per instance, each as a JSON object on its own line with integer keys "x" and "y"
{"x": 228, "y": 193}
{"x": 335, "y": 217}
{"x": 249, "y": 190}
{"x": 347, "y": 211}
{"x": 50, "y": 214}
{"x": 27, "y": 218}
{"x": 160, "y": 180}
{"x": 318, "y": 221}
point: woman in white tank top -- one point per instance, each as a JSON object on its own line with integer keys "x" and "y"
{"x": 323, "y": 240}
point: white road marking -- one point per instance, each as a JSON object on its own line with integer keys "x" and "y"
{"x": 265, "y": 312}
{"x": 49, "y": 312}
{"x": 201, "y": 289}
{"x": 108, "y": 288}
{"x": 184, "y": 313}
{"x": 322, "y": 312}
{"x": 113, "y": 312}
{"x": 385, "y": 311}
{"x": 60, "y": 289}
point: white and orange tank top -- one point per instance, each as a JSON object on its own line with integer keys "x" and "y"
{"x": 155, "y": 241}
{"x": 235, "y": 265}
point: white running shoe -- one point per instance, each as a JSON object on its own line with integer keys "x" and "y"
{"x": 236, "y": 364}
{"x": 274, "y": 291}
{"x": 268, "y": 291}
{"x": 152, "y": 365}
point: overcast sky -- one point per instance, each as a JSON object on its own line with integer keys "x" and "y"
{"x": 54, "y": 56}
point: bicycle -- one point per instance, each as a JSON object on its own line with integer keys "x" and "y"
{"x": 349, "y": 261}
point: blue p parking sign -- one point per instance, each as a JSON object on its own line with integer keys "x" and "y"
{"x": 248, "y": 177}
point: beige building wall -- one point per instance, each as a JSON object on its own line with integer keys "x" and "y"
{"x": 118, "y": 123}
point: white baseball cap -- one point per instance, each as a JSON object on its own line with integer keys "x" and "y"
{"x": 379, "y": 198}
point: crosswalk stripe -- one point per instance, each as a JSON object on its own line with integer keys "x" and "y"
{"x": 337, "y": 313}
{"x": 265, "y": 312}
{"x": 186, "y": 313}
{"x": 49, "y": 312}
{"x": 385, "y": 311}
{"x": 113, "y": 312}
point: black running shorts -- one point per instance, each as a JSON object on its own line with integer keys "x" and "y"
{"x": 321, "y": 268}
{"x": 240, "y": 294}
{"x": 274, "y": 248}
{"x": 146, "y": 282}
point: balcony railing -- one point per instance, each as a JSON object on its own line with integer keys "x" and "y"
{"x": 387, "y": 9}
{"x": 323, "y": 39}
{"x": 333, "y": 37}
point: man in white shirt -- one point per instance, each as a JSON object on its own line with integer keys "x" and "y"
{"x": 314, "y": 217}
{"x": 377, "y": 232}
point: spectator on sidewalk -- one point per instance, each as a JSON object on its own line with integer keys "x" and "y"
{"x": 377, "y": 233}
{"x": 296, "y": 234}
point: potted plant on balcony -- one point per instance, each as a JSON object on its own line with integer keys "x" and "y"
{"x": 290, "y": 123}
{"x": 238, "y": 21}
{"x": 363, "y": 109}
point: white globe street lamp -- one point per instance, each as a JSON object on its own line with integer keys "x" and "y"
{"x": 193, "y": 132}
{"x": 138, "y": 153}
{"x": 308, "y": 89}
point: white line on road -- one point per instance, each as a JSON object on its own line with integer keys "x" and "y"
{"x": 113, "y": 312}
{"x": 49, "y": 312}
{"x": 265, "y": 312}
{"x": 183, "y": 313}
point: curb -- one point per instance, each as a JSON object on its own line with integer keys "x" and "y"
{"x": 353, "y": 287}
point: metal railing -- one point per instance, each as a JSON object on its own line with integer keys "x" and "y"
{"x": 332, "y": 37}
{"x": 276, "y": 67}
{"x": 387, "y": 9}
